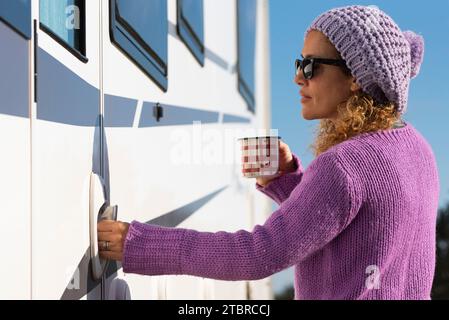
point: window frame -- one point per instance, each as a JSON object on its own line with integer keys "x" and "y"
{"x": 188, "y": 35}
{"x": 22, "y": 30}
{"x": 129, "y": 42}
{"x": 243, "y": 87}
{"x": 81, "y": 53}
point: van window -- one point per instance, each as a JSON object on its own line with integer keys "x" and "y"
{"x": 64, "y": 21}
{"x": 190, "y": 27}
{"x": 17, "y": 14}
{"x": 140, "y": 29}
{"x": 246, "y": 17}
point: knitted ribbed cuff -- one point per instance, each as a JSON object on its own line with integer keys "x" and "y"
{"x": 152, "y": 250}
{"x": 280, "y": 188}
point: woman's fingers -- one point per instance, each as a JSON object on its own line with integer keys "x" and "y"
{"x": 115, "y": 241}
{"x": 109, "y": 236}
{"x": 286, "y": 162}
{"x": 283, "y": 148}
{"x": 104, "y": 245}
{"x": 112, "y": 226}
{"x": 106, "y": 225}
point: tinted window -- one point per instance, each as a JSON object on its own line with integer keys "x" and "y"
{"x": 64, "y": 20}
{"x": 246, "y": 49}
{"x": 17, "y": 13}
{"x": 191, "y": 25}
{"x": 140, "y": 30}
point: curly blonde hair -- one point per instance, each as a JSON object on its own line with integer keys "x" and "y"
{"x": 357, "y": 115}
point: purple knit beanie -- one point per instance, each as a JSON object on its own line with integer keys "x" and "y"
{"x": 379, "y": 55}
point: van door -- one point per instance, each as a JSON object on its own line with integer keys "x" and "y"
{"x": 15, "y": 146}
{"x": 66, "y": 147}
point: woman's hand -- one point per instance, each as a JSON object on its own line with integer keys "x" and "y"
{"x": 111, "y": 239}
{"x": 286, "y": 164}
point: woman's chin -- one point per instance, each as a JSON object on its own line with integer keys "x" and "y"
{"x": 307, "y": 115}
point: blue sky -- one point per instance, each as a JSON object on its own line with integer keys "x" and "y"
{"x": 428, "y": 106}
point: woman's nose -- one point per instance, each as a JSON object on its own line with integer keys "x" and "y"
{"x": 299, "y": 79}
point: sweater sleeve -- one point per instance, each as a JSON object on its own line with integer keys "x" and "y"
{"x": 319, "y": 208}
{"x": 280, "y": 188}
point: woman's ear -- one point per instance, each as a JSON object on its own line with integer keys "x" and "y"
{"x": 354, "y": 85}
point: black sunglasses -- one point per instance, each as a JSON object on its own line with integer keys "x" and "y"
{"x": 307, "y": 65}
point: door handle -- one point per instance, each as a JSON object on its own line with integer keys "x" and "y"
{"x": 99, "y": 209}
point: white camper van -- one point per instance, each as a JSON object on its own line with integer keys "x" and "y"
{"x": 122, "y": 108}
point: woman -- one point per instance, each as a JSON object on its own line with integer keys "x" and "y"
{"x": 359, "y": 222}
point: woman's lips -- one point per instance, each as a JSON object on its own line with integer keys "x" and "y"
{"x": 305, "y": 98}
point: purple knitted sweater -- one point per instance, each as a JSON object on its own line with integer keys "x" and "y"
{"x": 358, "y": 223}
